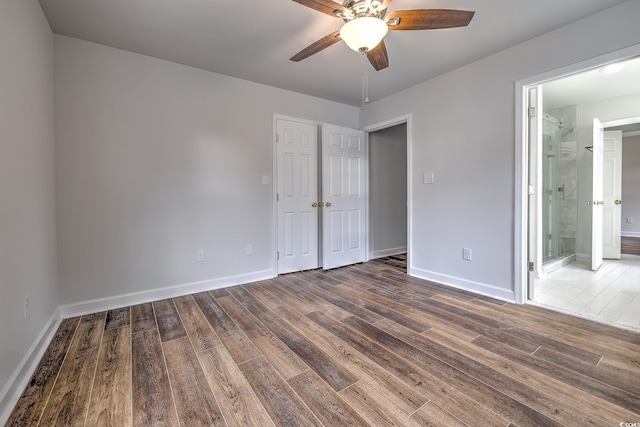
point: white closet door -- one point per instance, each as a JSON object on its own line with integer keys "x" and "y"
{"x": 297, "y": 166}
{"x": 343, "y": 195}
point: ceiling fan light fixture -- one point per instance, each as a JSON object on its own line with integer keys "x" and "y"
{"x": 364, "y": 33}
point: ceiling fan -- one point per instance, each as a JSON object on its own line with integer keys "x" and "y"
{"x": 367, "y": 22}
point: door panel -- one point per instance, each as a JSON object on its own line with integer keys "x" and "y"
{"x": 597, "y": 195}
{"x": 612, "y": 195}
{"x": 297, "y": 160}
{"x": 343, "y": 178}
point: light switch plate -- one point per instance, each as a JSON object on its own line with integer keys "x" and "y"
{"x": 428, "y": 178}
{"x": 265, "y": 179}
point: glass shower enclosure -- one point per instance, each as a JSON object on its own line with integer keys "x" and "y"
{"x": 558, "y": 189}
{"x": 551, "y": 189}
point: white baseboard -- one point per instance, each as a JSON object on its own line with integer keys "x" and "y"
{"x": 110, "y": 303}
{"x": 12, "y": 391}
{"x": 630, "y": 234}
{"x": 502, "y": 294}
{"x": 583, "y": 257}
{"x": 387, "y": 252}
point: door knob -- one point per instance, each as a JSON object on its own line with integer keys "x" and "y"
{"x": 314, "y": 205}
{"x": 618, "y": 202}
{"x": 598, "y": 202}
{"x": 327, "y": 204}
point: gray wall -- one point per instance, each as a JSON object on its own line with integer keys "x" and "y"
{"x": 631, "y": 185}
{"x": 27, "y": 189}
{"x": 156, "y": 160}
{"x": 388, "y": 191}
{"x": 463, "y": 129}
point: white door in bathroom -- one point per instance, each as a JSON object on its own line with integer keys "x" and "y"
{"x": 597, "y": 202}
{"x": 612, "y": 195}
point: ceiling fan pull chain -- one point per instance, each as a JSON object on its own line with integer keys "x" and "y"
{"x": 365, "y": 81}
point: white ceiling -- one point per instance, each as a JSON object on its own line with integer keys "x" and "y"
{"x": 254, "y": 40}
{"x": 592, "y": 85}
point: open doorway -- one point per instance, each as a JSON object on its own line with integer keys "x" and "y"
{"x": 388, "y": 195}
{"x": 560, "y": 241}
{"x": 389, "y": 190}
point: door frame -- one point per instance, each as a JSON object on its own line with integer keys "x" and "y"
{"x": 521, "y": 202}
{"x": 405, "y": 119}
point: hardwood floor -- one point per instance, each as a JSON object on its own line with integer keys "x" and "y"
{"x": 362, "y": 345}
{"x": 630, "y": 245}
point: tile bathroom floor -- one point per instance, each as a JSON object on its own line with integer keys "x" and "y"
{"x": 610, "y": 295}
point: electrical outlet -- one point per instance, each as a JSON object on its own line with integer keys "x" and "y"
{"x": 26, "y": 306}
{"x": 200, "y": 255}
{"x": 629, "y": 220}
{"x": 466, "y": 254}
{"x": 249, "y": 249}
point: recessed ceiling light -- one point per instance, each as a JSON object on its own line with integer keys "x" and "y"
{"x": 611, "y": 68}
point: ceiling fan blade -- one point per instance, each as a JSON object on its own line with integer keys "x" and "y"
{"x": 383, "y": 5}
{"x": 316, "y": 47}
{"x": 378, "y": 57}
{"x": 428, "y": 19}
{"x": 324, "y": 6}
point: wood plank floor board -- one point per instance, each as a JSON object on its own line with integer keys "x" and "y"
{"x": 397, "y": 393}
{"x": 311, "y": 301}
{"x": 295, "y": 285}
{"x": 545, "y": 340}
{"x": 344, "y": 304}
{"x": 435, "y": 389}
{"x": 240, "y": 293}
{"x": 336, "y": 375}
{"x": 373, "y": 406}
{"x": 152, "y": 401}
{"x": 630, "y": 245}
{"x": 142, "y": 317}
{"x": 432, "y": 415}
{"x": 489, "y": 387}
{"x": 284, "y": 297}
{"x": 324, "y": 402}
{"x": 435, "y": 321}
{"x": 198, "y": 328}
{"x": 388, "y": 309}
{"x": 618, "y": 396}
{"x": 238, "y": 402}
{"x": 239, "y": 346}
{"x": 603, "y": 373}
{"x": 34, "y": 397}
{"x": 195, "y": 403}
{"x": 169, "y": 323}
{"x": 283, "y": 359}
{"x": 216, "y": 293}
{"x": 359, "y": 345}
{"x": 281, "y": 402}
{"x": 69, "y": 399}
{"x": 118, "y": 318}
{"x": 469, "y": 324}
{"x": 532, "y": 383}
{"x": 111, "y": 392}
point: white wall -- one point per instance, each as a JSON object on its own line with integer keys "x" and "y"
{"x": 606, "y": 110}
{"x": 156, "y": 160}
{"x": 388, "y": 191}
{"x": 27, "y": 190}
{"x": 631, "y": 185}
{"x": 464, "y": 131}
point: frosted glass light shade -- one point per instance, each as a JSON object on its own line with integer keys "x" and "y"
{"x": 363, "y": 33}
